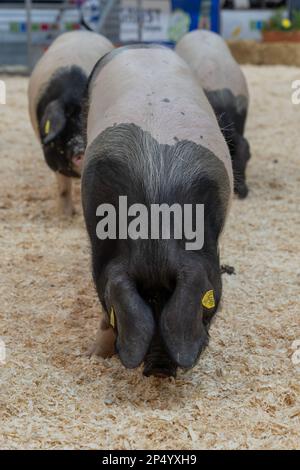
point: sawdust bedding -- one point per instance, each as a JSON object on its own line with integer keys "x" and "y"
{"x": 244, "y": 393}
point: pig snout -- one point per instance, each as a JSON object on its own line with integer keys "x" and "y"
{"x": 157, "y": 362}
{"x": 77, "y": 162}
{"x": 76, "y": 150}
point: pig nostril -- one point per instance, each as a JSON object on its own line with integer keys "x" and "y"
{"x": 77, "y": 159}
{"x": 159, "y": 368}
{"x": 159, "y": 372}
{"x": 161, "y": 375}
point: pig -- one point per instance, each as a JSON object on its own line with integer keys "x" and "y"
{"x": 55, "y": 93}
{"x": 226, "y": 89}
{"x": 153, "y": 137}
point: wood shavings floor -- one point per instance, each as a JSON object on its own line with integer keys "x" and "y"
{"x": 245, "y": 391}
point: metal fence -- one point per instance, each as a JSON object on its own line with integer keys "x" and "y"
{"x": 27, "y": 29}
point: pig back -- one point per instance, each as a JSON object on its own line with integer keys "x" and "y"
{"x": 154, "y": 89}
{"x": 212, "y": 62}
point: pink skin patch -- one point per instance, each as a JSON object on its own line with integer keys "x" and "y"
{"x": 77, "y": 160}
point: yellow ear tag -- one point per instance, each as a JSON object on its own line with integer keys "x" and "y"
{"x": 47, "y": 127}
{"x": 112, "y": 320}
{"x": 208, "y": 300}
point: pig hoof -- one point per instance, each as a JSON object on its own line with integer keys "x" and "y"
{"x": 241, "y": 190}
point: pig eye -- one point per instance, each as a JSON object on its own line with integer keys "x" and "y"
{"x": 208, "y": 300}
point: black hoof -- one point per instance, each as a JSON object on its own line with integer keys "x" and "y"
{"x": 241, "y": 190}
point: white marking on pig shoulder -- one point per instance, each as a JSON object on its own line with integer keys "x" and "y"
{"x": 154, "y": 89}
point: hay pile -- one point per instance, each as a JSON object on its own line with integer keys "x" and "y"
{"x": 245, "y": 391}
{"x": 268, "y": 53}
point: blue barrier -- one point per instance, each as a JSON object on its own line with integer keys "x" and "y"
{"x": 197, "y": 9}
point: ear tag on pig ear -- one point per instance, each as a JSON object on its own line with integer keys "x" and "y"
{"x": 112, "y": 319}
{"x": 208, "y": 300}
{"x": 47, "y": 127}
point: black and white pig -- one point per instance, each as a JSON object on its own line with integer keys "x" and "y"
{"x": 152, "y": 136}
{"x": 226, "y": 89}
{"x": 56, "y": 88}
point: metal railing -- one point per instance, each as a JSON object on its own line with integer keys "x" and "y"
{"x": 30, "y": 30}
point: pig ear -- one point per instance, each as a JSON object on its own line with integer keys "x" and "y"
{"x": 182, "y": 327}
{"x": 53, "y": 121}
{"x": 133, "y": 321}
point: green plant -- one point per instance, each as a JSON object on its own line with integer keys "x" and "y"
{"x": 280, "y": 22}
{"x": 296, "y": 19}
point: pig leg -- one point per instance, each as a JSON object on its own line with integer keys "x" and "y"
{"x": 240, "y": 156}
{"x": 65, "y": 195}
{"x": 104, "y": 345}
{"x": 232, "y": 125}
